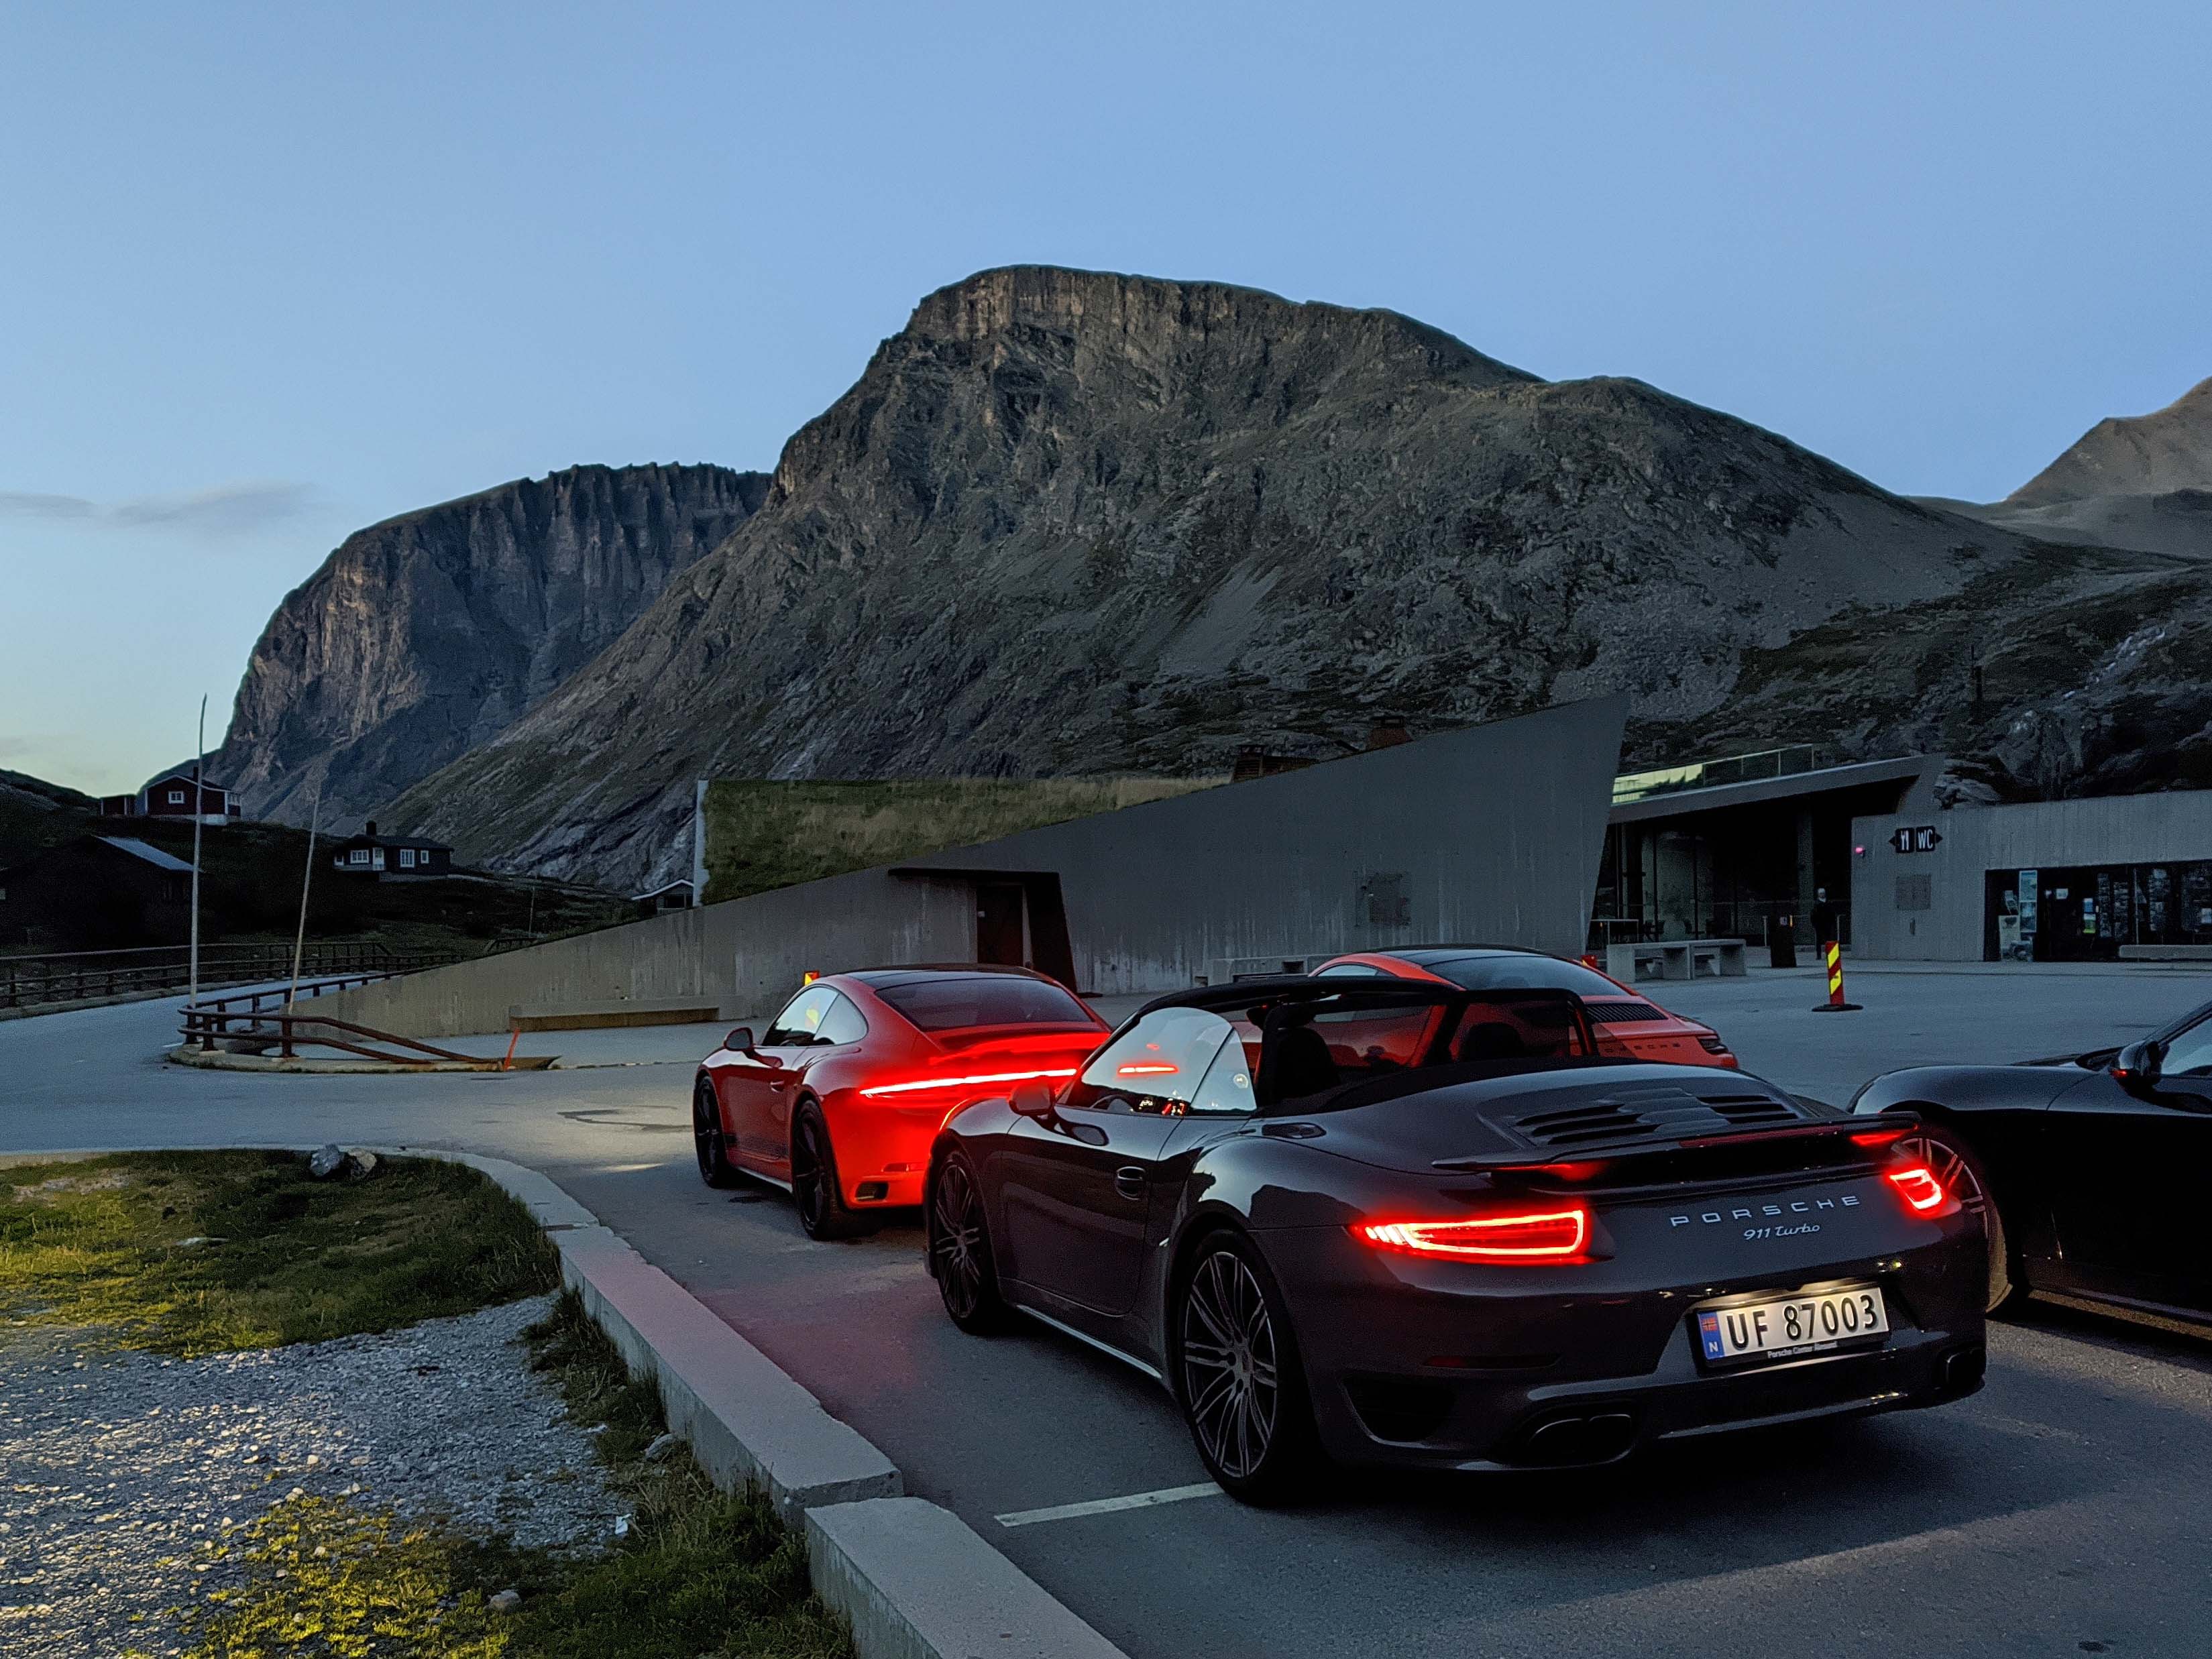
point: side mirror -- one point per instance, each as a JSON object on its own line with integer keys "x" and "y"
{"x": 2137, "y": 1066}
{"x": 739, "y": 1041}
{"x": 1031, "y": 1099}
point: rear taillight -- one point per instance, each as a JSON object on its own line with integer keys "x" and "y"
{"x": 1712, "y": 1044}
{"x": 1556, "y": 1233}
{"x": 1916, "y": 1184}
{"x": 972, "y": 1081}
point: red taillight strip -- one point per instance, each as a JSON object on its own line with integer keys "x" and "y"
{"x": 1533, "y": 1234}
{"x": 1917, "y": 1185}
{"x": 978, "y": 1080}
{"x": 1879, "y": 1137}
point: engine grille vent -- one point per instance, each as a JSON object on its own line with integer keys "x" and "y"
{"x": 1624, "y": 1013}
{"x": 1664, "y": 1110}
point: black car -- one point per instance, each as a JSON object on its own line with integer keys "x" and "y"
{"x": 2088, "y": 1170}
{"x": 1392, "y": 1222}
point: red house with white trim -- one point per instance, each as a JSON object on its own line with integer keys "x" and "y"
{"x": 171, "y": 796}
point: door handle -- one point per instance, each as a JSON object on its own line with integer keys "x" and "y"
{"x": 1129, "y": 1181}
{"x": 778, "y": 1084}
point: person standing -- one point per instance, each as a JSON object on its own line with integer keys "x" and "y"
{"x": 1824, "y": 922}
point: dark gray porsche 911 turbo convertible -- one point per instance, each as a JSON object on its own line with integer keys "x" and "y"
{"x": 1415, "y": 1224}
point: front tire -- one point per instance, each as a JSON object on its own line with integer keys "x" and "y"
{"x": 960, "y": 1258}
{"x": 815, "y": 1188}
{"x": 707, "y": 1139}
{"x": 1953, "y": 1162}
{"x": 1239, "y": 1377}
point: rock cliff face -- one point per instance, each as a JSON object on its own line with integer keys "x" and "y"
{"x": 1073, "y": 522}
{"x": 431, "y": 633}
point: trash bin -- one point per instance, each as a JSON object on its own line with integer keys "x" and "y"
{"x": 1782, "y": 941}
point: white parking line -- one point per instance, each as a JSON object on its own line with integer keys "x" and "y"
{"x": 1142, "y": 1500}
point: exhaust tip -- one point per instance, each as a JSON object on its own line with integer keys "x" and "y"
{"x": 1599, "y": 1437}
{"x": 1963, "y": 1369}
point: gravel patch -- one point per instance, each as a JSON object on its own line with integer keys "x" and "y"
{"x": 119, "y": 1472}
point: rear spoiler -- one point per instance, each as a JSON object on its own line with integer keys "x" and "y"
{"x": 1868, "y": 1131}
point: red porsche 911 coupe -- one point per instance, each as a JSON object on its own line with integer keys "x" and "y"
{"x": 1641, "y": 1027}
{"x": 839, "y": 1099}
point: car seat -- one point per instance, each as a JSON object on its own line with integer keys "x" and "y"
{"x": 1492, "y": 1040}
{"x": 1294, "y": 1061}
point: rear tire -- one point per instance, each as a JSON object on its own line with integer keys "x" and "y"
{"x": 707, "y": 1139}
{"x": 815, "y": 1188}
{"x": 1955, "y": 1163}
{"x": 1239, "y": 1377}
{"x": 960, "y": 1258}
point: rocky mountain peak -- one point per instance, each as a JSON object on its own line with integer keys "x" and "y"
{"x": 1178, "y": 328}
{"x": 2168, "y": 449}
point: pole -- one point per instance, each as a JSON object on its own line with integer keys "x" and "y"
{"x": 1833, "y": 950}
{"x": 200, "y": 812}
{"x": 300, "y": 940}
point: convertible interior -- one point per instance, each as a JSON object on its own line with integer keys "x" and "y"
{"x": 1300, "y": 1049}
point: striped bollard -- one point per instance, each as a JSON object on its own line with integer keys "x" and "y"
{"x": 1835, "y": 1004}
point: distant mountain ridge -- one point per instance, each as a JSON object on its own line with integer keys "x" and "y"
{"x": 2134, "y": 481}
{"x": 35, "y": 814}
{"x": 1072, "y": 521}
{"x": 425, "y": 635}
{"x": 2168, "y": 449}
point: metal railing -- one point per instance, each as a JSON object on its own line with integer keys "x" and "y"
{"x": 32, "y": 980}
{"x": 250, "y": 1029}
{"x": 1748, "y": 919}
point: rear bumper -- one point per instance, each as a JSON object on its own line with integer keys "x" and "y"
{"x": 882, "y": 1150}
{"x": 1411, "y": 1369}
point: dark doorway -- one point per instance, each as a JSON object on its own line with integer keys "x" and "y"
{"x": 1021, "y": 918}
{"x": 999, "y": 930}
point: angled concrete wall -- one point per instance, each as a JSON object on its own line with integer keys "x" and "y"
{"x": 1489, "y": 834}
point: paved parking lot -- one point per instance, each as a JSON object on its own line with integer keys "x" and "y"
{"x": 2061, "y": 1510}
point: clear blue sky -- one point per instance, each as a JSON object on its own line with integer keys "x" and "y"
{"x": 270, "y": 273}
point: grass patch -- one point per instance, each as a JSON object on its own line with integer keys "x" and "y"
{"x": 198, "y": 1252}
{"x": 700, "y": 1575}
{"x": 763, "y": 834}
{"x": 702, "y": 1572}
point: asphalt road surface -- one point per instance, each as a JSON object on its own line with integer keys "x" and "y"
{"x": 2063, "y": 1510}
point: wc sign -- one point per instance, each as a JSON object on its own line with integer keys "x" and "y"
{"x": 1921, "y": 840}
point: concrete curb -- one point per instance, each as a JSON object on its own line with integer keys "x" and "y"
{"x": 913, "y": 1580}
{"x": 922, "y": 1585}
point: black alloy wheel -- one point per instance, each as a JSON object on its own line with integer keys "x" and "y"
{"x": 714, "y": 1166}
{"x": 960, "y": 1250}
{"x": 822, "y": 1211}
{"x": 1239, "y": 1377}
{"x": 1952, "y": 1161}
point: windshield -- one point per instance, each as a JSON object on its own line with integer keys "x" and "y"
{"x": 1275, "y": 1049}
{"x": 1157, "y": 1064}
{"x": 947, "y": 1005}
{"x": 1518, "y": 970}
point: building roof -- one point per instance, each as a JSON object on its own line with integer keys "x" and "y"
{"x": 184, "y": 778}
{"x": 420, "y": 843}
{"x": 665, "y": 887}
{"x": 1673, "y": 803}
{"x": 139, "y": 849}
